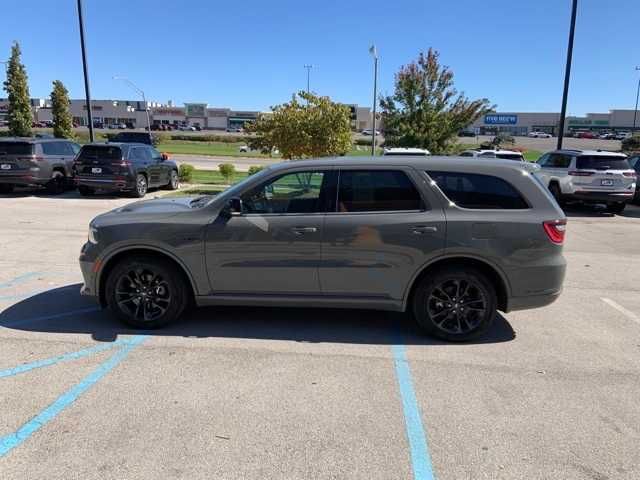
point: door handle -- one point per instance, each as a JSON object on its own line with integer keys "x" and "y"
{"x": 422, "y": 229}
{"x": 303, "y": 230}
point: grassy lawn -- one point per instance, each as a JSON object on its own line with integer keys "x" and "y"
{"x": 213, "y": 177}
{"x": 196, "y": 191}
{"x": 207, "y": 148}
{"x": 532, "y": 155}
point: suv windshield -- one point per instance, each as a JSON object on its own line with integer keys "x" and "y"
{"x": 603, "y": 162}
{"x": 106, "y": 153}
{"x": 16, "y": 148}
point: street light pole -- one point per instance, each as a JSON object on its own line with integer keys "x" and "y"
{"x": 374, "y": 53}
{"x": 144, "y": 99}
{"x": 635, "y": 112}
{"x": 567, "y": 72}
{"x": 86, "y": 72}
{"x": 308, "y": 67}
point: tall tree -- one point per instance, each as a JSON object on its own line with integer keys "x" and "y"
{"x": 425, "y": 110}
{"x": 62, "y": 119}
{"x": 19, "y": 109}
{"x": 316, "y": 128}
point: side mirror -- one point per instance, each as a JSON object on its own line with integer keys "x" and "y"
{"x": 233, "y": 208}
{"x": 164, "y": 157}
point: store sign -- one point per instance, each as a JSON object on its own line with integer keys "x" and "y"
{"x": 587, "y": 122}
{"x": 500, "y": 119}
{"x": 195, "y": 109}
{"x": 168, "y": 111}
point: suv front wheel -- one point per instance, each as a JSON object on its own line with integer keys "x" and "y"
{"x": 455, "y": 303}
{"x": 146, "y": 292}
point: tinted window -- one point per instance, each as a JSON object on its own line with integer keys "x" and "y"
{"x": 75, "y": 148}
{"x": 542, "y": 161}
{"x": 602, "y": 163}
{"x": 470, "y": 190}
{"x": 635, "y": 163}
{"x": 54, "y": 148}
{"x": 488, "y": 154}
{"x": 99, "y": 153}
{"x": 16, "y": 148}
{"x": 510, "y": 156}
{"x": 466, "y": 154}
{"x": 557, "y": 160}
{"x": 155, "y": 155}
{"x": 377, "y": 190}
{"x": 298, "y": 192}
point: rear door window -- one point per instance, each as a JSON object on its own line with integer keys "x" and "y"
{"x": 594, "y": 162}
{"x": 377, "y": 191}
{"x": 54, "y": 148}
{"x": 474, "y": 191}
{"x": 16, "y": 148}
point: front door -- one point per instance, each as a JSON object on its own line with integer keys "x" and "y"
{"x": 273, "y": 246}
{"x": 387, "y": 225}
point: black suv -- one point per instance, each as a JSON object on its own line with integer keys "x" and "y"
{"x": 135, "y": 137}
{"x": 123, "y": 167}
{"x": 44, "y": 162}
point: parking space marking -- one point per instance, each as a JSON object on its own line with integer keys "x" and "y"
{"x": 50, "y": 317}
{"x": 627, "y": 313}
{"x": 66, "y": 357}
{"x": 420, "y": 458}
{"x": 20, "y": 279}
{"x": 13, "y": 440}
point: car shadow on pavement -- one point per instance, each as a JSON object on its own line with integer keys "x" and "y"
{"x": 63, "y": 310}
{"x": 598, "y": 211}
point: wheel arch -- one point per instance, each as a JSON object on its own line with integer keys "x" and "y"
{"x": 112, "y": 260}
{"x": 494, "y": 273}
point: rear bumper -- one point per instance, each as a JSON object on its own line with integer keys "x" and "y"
{"x": 23, "y": 180}
{"x": 604, "y": 197}
{"x": 533, "y": 301}
{"x": 105, "y": 184}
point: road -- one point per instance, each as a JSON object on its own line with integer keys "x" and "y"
{"x": 252, "y": 393}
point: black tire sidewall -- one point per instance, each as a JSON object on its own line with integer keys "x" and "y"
{"x": 174, "y": 278}
{"x": 136, "y": 193}
{"x": 436, "y": 278}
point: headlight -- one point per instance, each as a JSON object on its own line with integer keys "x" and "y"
{"x": 93, "y": 234}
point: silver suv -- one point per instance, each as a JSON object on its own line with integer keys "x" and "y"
{"x": 449, "y": 239}
{"x": 44, "y": 162}
{"x": 590, "y": 176}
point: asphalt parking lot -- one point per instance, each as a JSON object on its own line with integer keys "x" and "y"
{"x": 248, "y": 393}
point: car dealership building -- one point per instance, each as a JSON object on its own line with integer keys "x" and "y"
{"x": 522, "y": 123}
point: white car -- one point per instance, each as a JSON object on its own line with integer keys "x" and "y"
{"x": 589, "y": 176}
{"x": 187, "y": 128}
{"x": 539, "y": 135}
{"x": 368, "y": 131}
{"x": 414, "y": 152}
{"x": 504, "y": 154}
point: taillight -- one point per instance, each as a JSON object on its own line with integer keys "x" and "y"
{"x": 630, "y": 174}
{"x": 579, "y": 173}
{"x": 123, "y": 163}
{"x": 31, "y": 158}
{"x": 555, "y": 230}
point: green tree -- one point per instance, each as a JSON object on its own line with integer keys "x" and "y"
{"x": 19, "y": 112}
{"x": 228, "y": 171}
{"x": 425, "y": 110}
{"x": 62, "y": 119}
{"x": 307, "y": 126}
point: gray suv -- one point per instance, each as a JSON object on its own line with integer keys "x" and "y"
{"x": 451, "y": 240}
{"x": 44, "y": 162}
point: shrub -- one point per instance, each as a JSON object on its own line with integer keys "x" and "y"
{"x": 161, "y": 138}
{"x": 254, "y": 169}
{"x": 363, "y": 141}
{"x": 209, "y": 138}
{"x": 185, "y": 172}
{"x": 631, "y": 144}
{"x": 227, "y": 170}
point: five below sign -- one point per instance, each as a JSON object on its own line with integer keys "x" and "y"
{"x": 500, "y": 119}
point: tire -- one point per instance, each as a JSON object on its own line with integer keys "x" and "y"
{"x": 57, "y": 184}
{"x": 141, "y": 186}
{"x": 85, "y": 191}
{"x": 554, "y": 188}
{"x": 146, "y": 292}
{"x": 616, "y": 207}
{"x": 439, "y": 315}
{"x": 6, "y": 188}
{"x": 174, "y": 181}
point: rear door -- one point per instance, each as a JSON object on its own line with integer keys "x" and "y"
{"x": 153, "y": 169}
{"x": 387, "y": 224}
{"x": 164, "y": 169}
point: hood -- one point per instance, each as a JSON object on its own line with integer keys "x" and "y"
{"x": 160, "y": 205}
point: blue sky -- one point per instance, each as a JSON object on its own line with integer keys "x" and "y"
{"x": 249, "y": 54}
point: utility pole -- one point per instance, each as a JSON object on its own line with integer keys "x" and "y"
{"x": 86, "y": 72}
{"x": 567, "y": 72}
{"x": 374, "y": 53}
{"x": 635, "y": 112}
{"x": 144, "y": 99}
{"x": 308, "y": 67}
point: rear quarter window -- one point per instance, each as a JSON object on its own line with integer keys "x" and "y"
{"x": 475, "y": 191}
{"x": 16, "y": 148}
{"x": 594, "y": 162}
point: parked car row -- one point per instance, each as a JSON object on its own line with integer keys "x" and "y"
{"x": 60, "y": 165}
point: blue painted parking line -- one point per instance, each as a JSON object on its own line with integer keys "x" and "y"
{"x": 420, "y": 458}
{"x": 67, "y": 357}
{"x": 20, "y": 279}
{"x": 53, "y": 316}
{"x": 13, "y": 440}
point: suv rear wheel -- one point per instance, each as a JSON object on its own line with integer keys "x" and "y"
{"x": 616, "y": 207}
{"x": 146, "y": 292}
{"x": 455, "y": 303}
{"x": 141, "y": 186}
{"x": 57, "y": 184}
